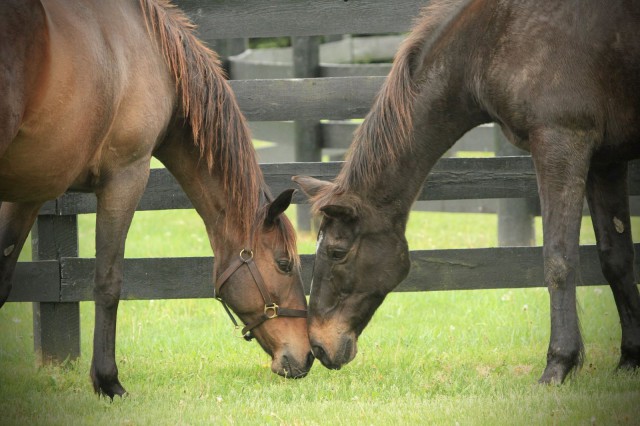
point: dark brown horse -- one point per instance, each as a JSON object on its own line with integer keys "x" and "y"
{"x": 89, "y": 91}
{"x": 562, "y": 79}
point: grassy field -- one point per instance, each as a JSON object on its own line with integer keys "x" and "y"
{"x": 467, "y": 357}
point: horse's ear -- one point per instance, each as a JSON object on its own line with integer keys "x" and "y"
{"x": 310, "y": 186}
{"x": 343, "y": 213}
{"x": 278, "y": 206}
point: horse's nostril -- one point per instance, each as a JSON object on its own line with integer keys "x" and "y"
{"x": 310, "y": 359}
{"x": 293, "y": 368}
{"x": 347, "y": 346}
{"x": 318, "y": 352}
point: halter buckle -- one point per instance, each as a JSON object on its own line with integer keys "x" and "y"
{"x": 271, "y": 311}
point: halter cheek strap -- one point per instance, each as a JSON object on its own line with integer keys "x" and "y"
{"x": 271, "y": 309}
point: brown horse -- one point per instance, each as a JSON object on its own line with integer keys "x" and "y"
{"x": 89, "y": 91}
{"x": 562, "y": 79}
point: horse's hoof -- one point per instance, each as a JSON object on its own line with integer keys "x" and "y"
{"x": 550, "y": 378}
{"x": 629, "y": 361}
{"x": 555, "y": 373}
{"x": 112, "y": 391}
{"x": 109, "y": 388}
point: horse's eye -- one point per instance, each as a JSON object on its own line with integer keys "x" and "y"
{"x": 285, "y": 265}
{"x": 337, "y": 254}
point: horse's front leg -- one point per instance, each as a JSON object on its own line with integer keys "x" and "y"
{"x": 16, "y": 220}
{"x": 117, "y": 201}
{"x": 609, "y": 205}
{"x": 562, "y": 161}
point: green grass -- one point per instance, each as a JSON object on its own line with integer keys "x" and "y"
{"x": 466, "y": 357}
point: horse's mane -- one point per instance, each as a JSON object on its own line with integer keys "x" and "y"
{"x": 219, "y": 129}
{"x": 386, "y": 130}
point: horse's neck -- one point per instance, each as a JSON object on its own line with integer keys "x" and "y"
{"x": 434, "y": 131}
{"x": 441, "y": 103}
{"x": 398, "y": 183}
{"x": 203, "y": 188}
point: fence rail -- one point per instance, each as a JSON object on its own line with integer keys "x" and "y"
{"x": 450, "y": 179}
{"x": 453, "y": 269}
{"x": 306, "y": 98}
{"x": 220, "y": 19}
{"x": 71, "y": 279}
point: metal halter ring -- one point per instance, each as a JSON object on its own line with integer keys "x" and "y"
{"x": 246, "y": 255}
{"x": 271, "y": 311}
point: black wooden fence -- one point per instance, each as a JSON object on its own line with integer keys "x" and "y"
{"x": 56, "y": 280}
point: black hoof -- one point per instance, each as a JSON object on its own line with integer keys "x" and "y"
{"x": 110, "y": 390}
{"x": 553, "y": 375}
{"x": 557, "y": 370}
{"x": 629, "y": 360}
{"x": 107, "y": 386}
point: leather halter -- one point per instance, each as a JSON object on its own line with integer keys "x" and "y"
{"x": 271, "y": 309}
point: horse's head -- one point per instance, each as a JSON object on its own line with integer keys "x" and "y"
{"x": 361, "y": 256}
{"x": 261, "y": 283}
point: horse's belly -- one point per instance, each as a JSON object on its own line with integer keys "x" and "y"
{"x": 611, "y": 153}
{"x": 38, "y": 169}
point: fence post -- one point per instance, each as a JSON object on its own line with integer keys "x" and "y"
{"x": 307, "y": 139}
{"x": 516, "y": 226}
{"x": 228, "y": 47}
{"x": 56, "y": 326}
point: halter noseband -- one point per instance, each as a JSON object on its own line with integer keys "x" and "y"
{"x": 271, "y": 309}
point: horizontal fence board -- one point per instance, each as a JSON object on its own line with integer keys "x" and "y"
{"x": 191, "y": 277}
{"x": 306, "y": 98}
{"x": 258, "y": 18}
{"x": 155, "y": 278}
{"x": 162, "y": 193}
{"x": 338, "y": 135}
{"x": 465, "y": 178}
{"x": 450, "y": 179}
{"x": 490, "y": 268}
{"x": 36, "y": 281}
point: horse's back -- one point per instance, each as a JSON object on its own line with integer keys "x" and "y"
{"x": 572, "y": 65}
{"x": 102, "y": 92}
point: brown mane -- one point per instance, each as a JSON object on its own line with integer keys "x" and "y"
{"x": 219, "y": 129}
{"x": 386, "y": 130}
